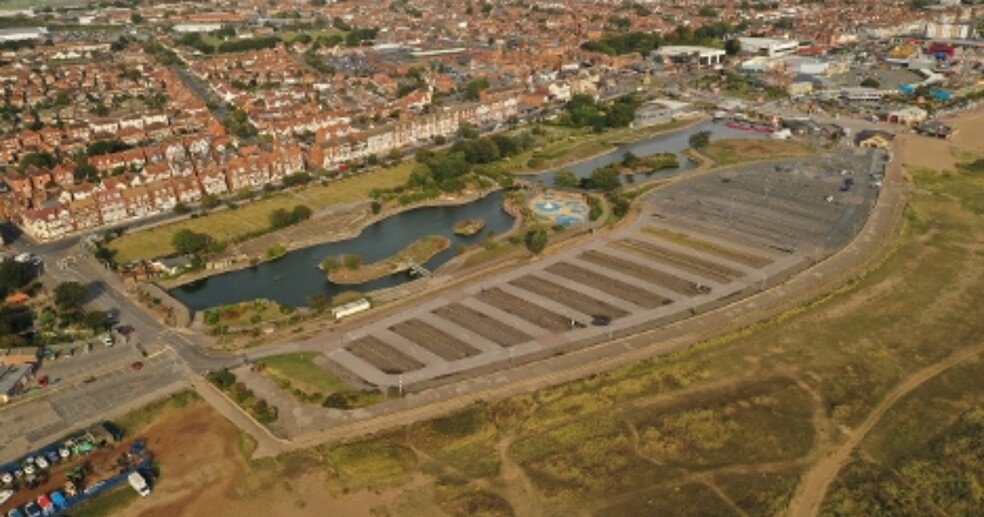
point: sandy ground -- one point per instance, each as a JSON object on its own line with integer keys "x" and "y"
{"x": 211, "y": 478}
{"x": 934, "y": 153}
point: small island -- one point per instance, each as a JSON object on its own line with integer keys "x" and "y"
{"x": 349, "y": 270}
{"x": 469, "y": 227}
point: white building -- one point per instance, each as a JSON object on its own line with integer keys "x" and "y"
{"x": 23, "y": 34}
{"x": 704, "y": 56}
{"x": 770, "y": 47}
{"x": 196, "y": 27}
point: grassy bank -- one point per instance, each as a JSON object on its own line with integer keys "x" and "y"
{"x": 228, "y": 225}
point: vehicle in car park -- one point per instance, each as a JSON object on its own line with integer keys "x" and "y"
{"x": 32, "y": 510}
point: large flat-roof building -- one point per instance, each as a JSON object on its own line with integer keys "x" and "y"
{"x": 703, "y": 56}
{"x": 23, "y": 34}
{"x": 770, "y": 47}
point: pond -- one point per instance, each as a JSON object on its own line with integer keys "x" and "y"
{"x": 294, "y": 277}
{"x": 673, "y": 142}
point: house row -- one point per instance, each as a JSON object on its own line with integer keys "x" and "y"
{"x": 332, "y": 153}
{"x": 128, "y": 197}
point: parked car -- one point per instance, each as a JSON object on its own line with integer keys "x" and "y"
{"x": 107, "y": 339}
{"x": 125, "y": 330}
{"x": 32, "y": 510}
{"x": 137, "y": 366}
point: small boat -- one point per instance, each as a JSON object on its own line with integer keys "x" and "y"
{"x": 763, "y": 129}
{"x": 5, "y": 494}
{"x": 736, "y": 125}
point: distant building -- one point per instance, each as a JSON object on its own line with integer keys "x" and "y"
{"x": 660, "y": 112}
{"x": 702, "y": 56}
{"x": 184, "y": 28}
{"x": 770, "y": 47}
{"x": 23, "y": 34}
{"x": 874, "y": 139}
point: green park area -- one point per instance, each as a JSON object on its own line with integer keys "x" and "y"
{"x": 298, "y": 375}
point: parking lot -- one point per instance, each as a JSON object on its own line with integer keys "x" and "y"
{"x": 697, "y": 244}
{"x": 72, "y": 404}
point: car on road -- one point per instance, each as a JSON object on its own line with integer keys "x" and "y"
{"x": 600, "y": 320}
{"x": 137, "y": 366}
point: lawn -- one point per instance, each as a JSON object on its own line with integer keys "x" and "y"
{"x": 301, "y": 371}
{"x": 737, "y": 150}
{"x": 248, "y": 218}
{"x": 299, "y": 376}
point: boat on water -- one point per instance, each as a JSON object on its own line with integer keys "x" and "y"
{"x": 736, "y": 125}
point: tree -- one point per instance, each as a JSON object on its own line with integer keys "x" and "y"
{"x": 96, "y": 321}
{"x": 732, "y": 47}
{"x": 86, "y": 172}
{"x": 870, "y": 82}
{"x": 42, "y": 160}
{"x": 606, "y": 178}
{"x": 13, "y": 276}
{"x": 189, "y": 242}
{"x": 300, "y": 213}
{"x": 475, "y": 87}
{"x": 280, "y": 218}
{"x": 536, "y": 240}
{"x": 700, "y": 139}
{"x": 69, "y": 296}
{"x": 566, "y": 179}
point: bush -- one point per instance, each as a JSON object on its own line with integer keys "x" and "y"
{"x": 536, "y": 240}
{"x": 222, "y": 378}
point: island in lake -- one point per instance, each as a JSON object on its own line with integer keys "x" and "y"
{"x": 469, "y": 227}
{"x": 349, "y": 269}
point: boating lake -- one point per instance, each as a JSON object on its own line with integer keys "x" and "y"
{"x": 291, "y": 279}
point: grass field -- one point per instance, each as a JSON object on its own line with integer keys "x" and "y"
{"x": 300, "y": 370}
{"x": 300, "y": 377}
{"x": 252, "y": 217}
{"x": 737, "y": 150}
{"x": 37, "y": 4}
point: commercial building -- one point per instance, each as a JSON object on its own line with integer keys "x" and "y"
{"x": 703, "y": 56}
{"x": 770, "y": 47}
{"x": 23, "y": 34}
